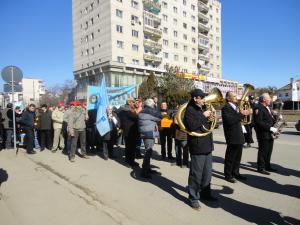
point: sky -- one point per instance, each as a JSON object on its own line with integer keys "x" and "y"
{"x": 260, "y": 40}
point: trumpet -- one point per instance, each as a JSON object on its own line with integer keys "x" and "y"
{"x": 214, "y": 97}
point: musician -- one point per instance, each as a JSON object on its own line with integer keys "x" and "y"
{"x": 248, "y": 127}
{"x": 264, "y": 127}
{"x": 196, "y": 115}
{"x": 234, "y": 135}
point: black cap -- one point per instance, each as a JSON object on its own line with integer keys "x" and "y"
{"x": 198, "y": 93}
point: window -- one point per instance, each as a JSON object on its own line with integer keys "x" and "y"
{"x": 218, "y": 48}
{"x": 217, "y": 20}
{"x": 165, "y": 17}
{"x": 184, "y": 36}
{"x": 119, "y": 13}
{"x": 120, "y": 44}
{"x": 120, "y": 59}
{"x": 175, "y": 45}
{"x": 176, "y": 57}
{"x": 175, "y": 21}
{"x": 184, "y": 13}
{"x": 119, "y": 28}
{"x": 194, "y": 40}
{"x": 193, "y": 29}
{"x": 193, "y": 18}
{"x": 135, "y": 48}
{"x": 193, "y": 7}
{"x": 286, "y": 94}
{"x": 194, "y": 61}
{"x": 175, "y": 9}
{"x": 165, "y": 5}
{"x": 92, "y": 36}
{"x": 134, "y": 4}
{"x": 92, "y": 21}
{"x": 92, "y": 50}
{"x": 87, "y": 52}
{"x": 184, "y": 2}
{"x": 135, "y": 62}
{"x": 165, "y": 30}
{"x": 184, "y": 25}
{"x": 218, "y": 39}
{"x": 185, "y": 48}
{"x": 193, "y": 50}
{"x": 185, "y": 59}
{"x": 135, "y": 33}
{"x": 166, "y": 55}
{"x": 218, "y": 29}
{"x": 175, "y": 33}
{"x": 165, "y": 42}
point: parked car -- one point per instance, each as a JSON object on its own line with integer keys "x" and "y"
{"x": 298, "y": 125}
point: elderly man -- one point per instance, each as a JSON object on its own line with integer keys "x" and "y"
{"x": 234, "y": 136}
{"x": 57, "y": 119}
{"x": 148, "y": 119}
{"x": 76, "y": 127}
{"x": 264, "y": 127}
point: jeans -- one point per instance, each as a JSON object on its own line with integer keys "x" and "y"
{"x": 149, "y": 143}
{"x": 182, "y": 152}
{"x": 199, "y": 176}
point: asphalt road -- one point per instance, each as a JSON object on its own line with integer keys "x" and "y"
{"x": 47, "y": 189}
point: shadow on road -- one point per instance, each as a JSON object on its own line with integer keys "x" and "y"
{"x": 248, "y": 212}
{"x": 3, "y": 176}
{"x": 163, "y": 183}
{"x": 280, "y": 169}
{"x": 291, "y": 132}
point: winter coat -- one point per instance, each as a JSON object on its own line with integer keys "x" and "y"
{"x": 129, "y": 121}
{"x": 148, "y": 119}
{"x": 44, "y": 120}
{"x": 27, "y": 120}
{"x": 194, "y": 121}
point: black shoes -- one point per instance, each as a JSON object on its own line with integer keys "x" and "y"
{"x": 263, "y": 172}
{"x": 31, "y": 152}
{"x": 195, "y": 205}
{"x": 240, "y": 177}
{"x": 230, "y": 179}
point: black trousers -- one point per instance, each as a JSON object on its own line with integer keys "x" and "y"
{"x": 130, "y": 147}
{"x": 248, "y": 135}
{"x": 165, "y": 135}
{"x": 265, "y": 148}
{"x": 46, "y": 139}
{"x": 108, "y": 148}
{"x": 233, "y": 157}
{"x": 29, "y": 139}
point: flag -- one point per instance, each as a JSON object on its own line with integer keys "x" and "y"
{"x": 102, "y": 122}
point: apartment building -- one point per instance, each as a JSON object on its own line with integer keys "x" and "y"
{"x": 126, "y": 40}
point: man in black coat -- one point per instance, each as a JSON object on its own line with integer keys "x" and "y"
{"x": 44, "y": 126}
{"x": 196, "y": 116}
{"x": 129, "y": 125}
{"x": 264, "y": 122}
{"x": 234, "y": 135}
{"x": 27, "y": 124}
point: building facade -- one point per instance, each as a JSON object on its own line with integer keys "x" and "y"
{"x": 127, "y": 40}
{"x": 32, "y": 91}
{"x": 289, "y": 92}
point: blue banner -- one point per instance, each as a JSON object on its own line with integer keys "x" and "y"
{"x": 118, "y": 95}
{"x": 102, "y": 122}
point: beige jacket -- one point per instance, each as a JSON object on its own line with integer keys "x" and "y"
{"x": 57, "y": 119}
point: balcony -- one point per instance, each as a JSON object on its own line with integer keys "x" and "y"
{"x": 203, "y": 36}
{"x": 153, "y": 58}
{"x": 203, "y": 57}
{"x": 203, "y": 7}
{"x": 203, "y": 18}
{"x": 203, "y": 44}
{"x": 204, "y": 68}
{"x": 152, "y": 16}
{"x": 154, "y": 32}
{"x": 152, "y": 45}
{"x": 203, "y": 27}
{"x": 152, "y": 5}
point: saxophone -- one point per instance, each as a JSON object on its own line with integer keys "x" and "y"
{"x": 280, "y": 123}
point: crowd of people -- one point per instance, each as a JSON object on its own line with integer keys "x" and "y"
{"x": 72, "y": 129}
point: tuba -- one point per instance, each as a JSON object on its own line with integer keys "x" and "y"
{"x": 214, "y": 97}
{"x": 245, "y": 105}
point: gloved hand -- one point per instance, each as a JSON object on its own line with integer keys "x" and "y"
{"x": 273, "y": 129}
